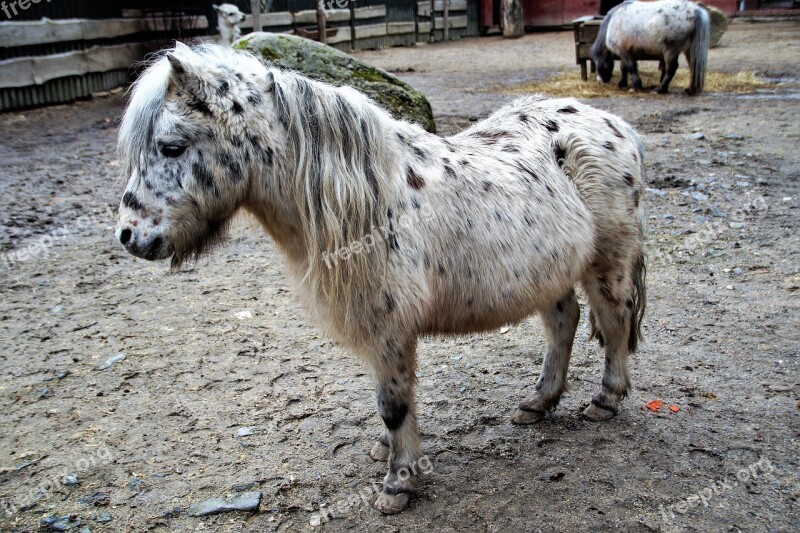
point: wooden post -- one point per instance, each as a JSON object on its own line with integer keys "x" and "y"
{"x": 352, "y": 5}
{"x": 445, "y": 22}
{"x": 321, "y": 34}
{"x": 255, "y": 9}
{"x": 433, "y": 23}
{"x": 513, "y": 23}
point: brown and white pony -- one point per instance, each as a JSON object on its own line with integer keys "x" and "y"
{"x": 390, "y": 232}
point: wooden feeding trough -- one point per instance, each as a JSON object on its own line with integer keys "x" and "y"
{"x": 312, "y": 32}
{"x": 585, "y": 30}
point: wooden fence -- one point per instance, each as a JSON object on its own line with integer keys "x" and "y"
{"x": 56, "y": 60}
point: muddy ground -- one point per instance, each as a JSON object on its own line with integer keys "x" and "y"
{"x": 226, "y": 346}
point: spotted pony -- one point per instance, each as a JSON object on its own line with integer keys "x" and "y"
{"x": 664, "y": 29}
{"x": 469, "y": 232}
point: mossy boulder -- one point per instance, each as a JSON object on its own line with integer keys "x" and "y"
{"x": 719, "y": 23}
{"x": 323, "y": 63}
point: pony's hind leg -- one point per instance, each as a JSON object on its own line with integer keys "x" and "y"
{"x": 670, "y": 68}
{"x": 560, "y": 323}
{"x": 394, "y": 374}
{"x": 616, "y": 298}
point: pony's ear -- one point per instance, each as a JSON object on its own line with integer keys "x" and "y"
{"x": 270, "y": 79}
{"x": 185, "y": 70}
{"x": 216, "y": 7}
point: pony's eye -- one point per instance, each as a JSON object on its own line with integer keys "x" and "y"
{"x": 172, "y": 150}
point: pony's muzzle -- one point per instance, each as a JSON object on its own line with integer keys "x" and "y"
{"x": 151, "y": 246}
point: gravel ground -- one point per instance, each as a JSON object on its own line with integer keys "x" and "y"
{"x": 129, "y": 393}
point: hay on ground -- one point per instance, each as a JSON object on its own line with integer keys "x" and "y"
{"x": 570, "y": 84}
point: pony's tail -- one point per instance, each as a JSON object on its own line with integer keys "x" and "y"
{"x": 639, "y": 298}
{"x": 698, "y": 57}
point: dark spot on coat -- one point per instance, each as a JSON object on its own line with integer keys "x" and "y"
{"x": 419, "y": 152}
{"x": 560, "y": 307}
{"x": 613, "y": 128}
{"x": 200, "y": 107}
{"x": 223, "y": 88}
{"x": 130, "y": 201}
{"x": 390, "y": 303}
{"x": 414, "y": 180}
{"x": 609, "y": 146}
{"x": 203, "y": 176}
{"x": 628, "y": 179}
{"x": 551, "y": 126}
{"x": 237, "y": 108}
{"x": 440, "y": 266}
{"x": 487, "y": 186}
{"x": 449, "y": 171}
{"x": 560, "y": 154}
{"x": 569, "y": 110}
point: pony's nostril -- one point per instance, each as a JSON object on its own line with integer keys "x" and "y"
{"x": 125, "y": 236}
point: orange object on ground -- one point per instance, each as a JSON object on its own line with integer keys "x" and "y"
{"x": 655, "y": 405}
{"x": 674, "y": 408}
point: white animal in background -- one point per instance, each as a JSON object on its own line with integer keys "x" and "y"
{"x": 228, "y": 19}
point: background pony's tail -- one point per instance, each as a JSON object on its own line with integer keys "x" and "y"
{"x": 698, "y": 54}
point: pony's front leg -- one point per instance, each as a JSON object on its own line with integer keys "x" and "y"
{"x": 633, "y": 68}
{"x": 623, "y": 80}
{"x": 560, "y": 323}
{"x": 394, "y": 374}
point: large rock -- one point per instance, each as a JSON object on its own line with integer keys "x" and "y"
{"x": 323, "y": 63}
{"x": 719, "y": 23}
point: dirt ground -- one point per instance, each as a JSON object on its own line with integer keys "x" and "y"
{"x": 225, "y": 346}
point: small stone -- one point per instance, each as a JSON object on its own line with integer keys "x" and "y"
{"x": 729, "y": 288}
{"x": 694, "y": 136}
{"x": 102, "y": 517}
{"x": 656, "y": 192}
{"x": 59, "y": 523}
{"x": 700, "y": 197}
{"x": 41, "y": 393}
{"x": 743, "y": 184}
{"x": 246, "y": 431}
{"x": 244, "y": 487}
{"x": 70, "y": 480}
{"x": 504, "y": 329}
{"x": 247, "y": 501}
{"x": 734, "y": 136}
{"x": 243, "y": 315}
{"x": 736, "y": 225}
{"x": 98, "y": 499}
{"x": 700, "y": 219}
{"x": 787, "y": 198}
{"x": 135, "y": 484}
{"x": 717, "y": 213}
{"x": 111, "y": 361}
{"x": 473, "y": 118}
{"x": 737, "y": 271}
{"x": 315, "y": 521}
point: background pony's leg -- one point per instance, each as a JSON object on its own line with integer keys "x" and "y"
{"x": 630, "y": 64}
{"x": 560, "y": 323}
{"x": 623, "y": 80}
{"x": 670, "y": 63}
{"x": 394, "y": 373}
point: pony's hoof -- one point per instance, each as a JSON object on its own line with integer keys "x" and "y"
{"x": 380, "y": 452}
{"x": 597, "y": 414}
{"x": 391, "y": 503}
{"x": 526, "y": 416}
